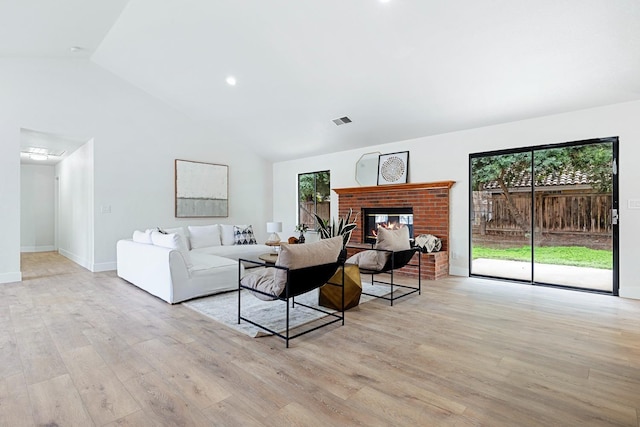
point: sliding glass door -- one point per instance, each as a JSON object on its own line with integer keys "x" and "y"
{"x": 546, "y": 215}
{"x": 501, "y": 226}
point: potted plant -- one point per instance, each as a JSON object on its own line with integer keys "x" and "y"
{"x": 344, "y": 227}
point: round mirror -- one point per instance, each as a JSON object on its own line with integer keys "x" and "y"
{"x": 367, "y": 169}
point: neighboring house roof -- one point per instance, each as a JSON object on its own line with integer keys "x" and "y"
{"x": 567, "y": 178}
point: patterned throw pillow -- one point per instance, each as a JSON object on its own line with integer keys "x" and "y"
{"x": 244, "y": 236}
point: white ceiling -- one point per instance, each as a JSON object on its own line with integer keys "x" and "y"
{"x": 399, "y": 70}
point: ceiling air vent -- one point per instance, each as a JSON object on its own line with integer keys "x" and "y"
{"x": 341, "y": 121}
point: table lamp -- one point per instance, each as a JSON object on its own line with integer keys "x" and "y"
{"x": 274, "y": 228}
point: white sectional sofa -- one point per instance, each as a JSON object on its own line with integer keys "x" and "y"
{"x": 187, "y": 262}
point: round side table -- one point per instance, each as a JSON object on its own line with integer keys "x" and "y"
{"x": 269, "y": 258}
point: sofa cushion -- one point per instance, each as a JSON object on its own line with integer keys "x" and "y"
{"x": 203, "y": 261}
{"x": 235, "y": 251}
{"x": 293, "y": 257}
{"x": 244, "y": 236}
{"x": 202, "y": 236}
{"x": 173, "y": 241}
{"x": 143, "y": 237}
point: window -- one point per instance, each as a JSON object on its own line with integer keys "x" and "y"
{"x": 313, "y": 197}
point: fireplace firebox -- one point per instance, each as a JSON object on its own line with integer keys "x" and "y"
{"x": 374, "y": 218}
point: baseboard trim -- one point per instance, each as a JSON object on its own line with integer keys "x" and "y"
{"x": 80, "y": 261}
{"x": 457, "y": 271}
{"x": 11, "y": 277}
{"x": 104, "y": 266}
{"x": 633, "y": 293}
{"x": 37, "y": 248}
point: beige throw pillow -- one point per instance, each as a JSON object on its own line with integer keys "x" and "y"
{"x": 393, "y": 240}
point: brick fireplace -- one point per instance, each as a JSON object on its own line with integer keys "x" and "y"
{"x": 430, "y": 204}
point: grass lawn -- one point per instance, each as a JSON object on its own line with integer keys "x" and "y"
{"x": 560, "y": 255}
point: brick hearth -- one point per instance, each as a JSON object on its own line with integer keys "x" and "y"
{"x": 430, "y": 203}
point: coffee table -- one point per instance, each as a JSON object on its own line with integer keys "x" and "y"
{"x": 269, "y": 258}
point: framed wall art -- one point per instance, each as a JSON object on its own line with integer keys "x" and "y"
{"x": 201, "y": 189}
{"x": 393, "y": 168}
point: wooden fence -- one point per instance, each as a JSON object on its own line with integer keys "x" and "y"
{"x": 555, "y": 213}
{"x": 306, "y": 212}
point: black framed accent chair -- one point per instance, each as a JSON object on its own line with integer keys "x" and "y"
{"x": 300, "y": 268}
{"x": 392, "y": 251}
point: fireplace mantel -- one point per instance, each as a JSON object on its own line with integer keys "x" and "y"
{"x": 397, "y": 187}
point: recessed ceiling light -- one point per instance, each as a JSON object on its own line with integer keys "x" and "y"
{"x": 231, "y": 81}
{"x": 75, "y": 49}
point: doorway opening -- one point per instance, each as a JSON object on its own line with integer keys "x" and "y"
{"x": 546, "y": 215}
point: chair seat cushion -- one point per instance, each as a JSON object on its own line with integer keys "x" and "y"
{"x": 369, "y": 260}
{"x": 264, "y": 281}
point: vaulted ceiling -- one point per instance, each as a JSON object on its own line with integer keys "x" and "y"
{"x": 398, "y": 69}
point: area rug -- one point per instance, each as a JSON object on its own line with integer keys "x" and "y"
{"x": 223, "y": 308}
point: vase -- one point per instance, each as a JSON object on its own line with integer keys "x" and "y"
{"x": 301, "y": 238}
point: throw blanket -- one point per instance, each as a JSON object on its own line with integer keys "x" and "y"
{"x": 428, "y": 243}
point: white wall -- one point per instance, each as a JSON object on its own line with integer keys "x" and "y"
{"x": 446, "y": 157}
{"x": 37, "y": 214}
{"x": 136, "y": 139}
{"x": 75, "y": 206}
{"x": 10, "y": 196}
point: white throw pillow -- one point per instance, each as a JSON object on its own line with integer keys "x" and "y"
{"x": 203, "y": 236}
{"x": 226, "y": 234}
{"x": 143, "y": 237}
{"x": 172, "y": 241}
{"x": 182, "y": 232}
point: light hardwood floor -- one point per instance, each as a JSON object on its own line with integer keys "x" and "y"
{"x": 83, "y": 349}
